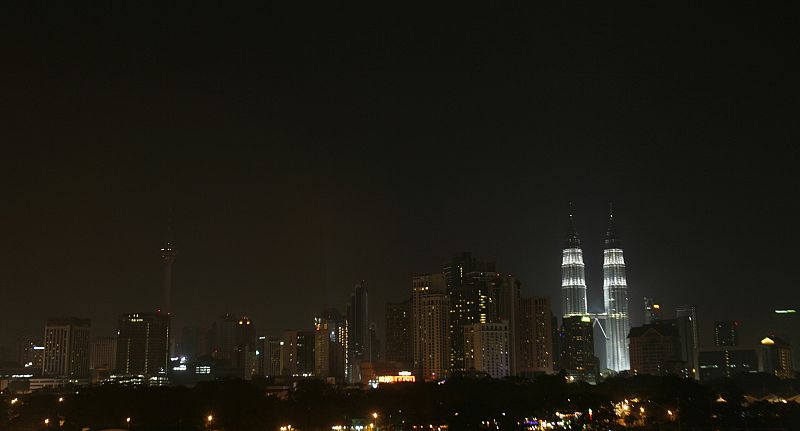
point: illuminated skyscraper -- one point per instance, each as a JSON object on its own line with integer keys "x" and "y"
{"x": 615, "y": 293}
{"x": 652, "y": 311}
{"x": 430, "y": 341}
{"x": 573, "y": 279}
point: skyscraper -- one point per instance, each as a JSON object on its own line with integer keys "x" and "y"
{"x": 429, "y": 329}
{"x": 615, "y": 293}
{"x": 143, "y": 343}
{"x": 330, "y": 344}
{"x": 66, "y": 347}
{"x": 305, "y": 353}
{"x": 535, "y": 335}
{"x": 577, "y": 349}
{"x": 726, "y": 333}
{"x": 504, "y": 291}
{"x": 689, "y": 330}
{"x": 487, "y": 348}
{"x": 776, "y": 357}
{"x": 573, "y": 279}
{"x": 398, "y": 332}
{"x": 470, "y": 302}
{"x": 103, "y": 353}
{"x": 358, "y": 330}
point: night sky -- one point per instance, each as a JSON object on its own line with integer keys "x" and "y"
{"x": 301, "y": 150}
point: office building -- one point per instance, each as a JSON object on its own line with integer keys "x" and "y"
{"x": 689, "y": 330}
{"x": 66, "y": 348}
{"x": 615, "y": 293}
{"x": 535, "y": 335}
{"x": 726, "y": 333}
{"x": 652, "y": 311}
{"x": 577, "y": 357}
{"x": 305, "y": 353}
{"x": 30, "y": 354}
{"x": 573, "y": 278}
{"x": 430, "y": 311}
{"x": 467, "y": 281}
{"x": 656, "y": 349}
{"x": 358, "y": 330}
{"x": 398, "y": 332}
{"x": 143, "y": 344}
{"x": 726, "y": 362}
{"x": 785, "y": 323}
{"x": 330, "y": 341}
{"x": 504, "y": 294}
{"x": 103, "y": 353}
{"x": 776, "y": 357}
{"x": 487, "y": 348}
{"x": 433, "y": 334}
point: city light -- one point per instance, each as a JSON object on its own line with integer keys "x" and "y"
{"x": 210, "y": 418}
{"x": 60, "y": 399}
{"x": 14, "y": 401}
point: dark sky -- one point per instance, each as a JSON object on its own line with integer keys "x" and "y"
{"x": 305, "y": 149}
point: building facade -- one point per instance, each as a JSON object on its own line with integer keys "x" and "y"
{"x": 66, "y": 348}
{"x": 688, "y": 327}
{"x": 430, "y": 311}
{"x": 488, "y": 348}
{"x": 615, "y": 294}
{"x": 573, "y": 277}
{"x": 535, "y": 335}
{"x": 776, "y": 357}
{"x": 358, "y": 330}
{"x": 143, "y": 344}
{"x": 398, "y": 332}
{"x": 656, "y": 349}
{"x": 103, "y": 353}
{"x": 576, "y": 341}
{"x": 726, "y": 362}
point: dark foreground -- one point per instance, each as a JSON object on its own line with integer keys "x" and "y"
{"x": 644, "y": 402}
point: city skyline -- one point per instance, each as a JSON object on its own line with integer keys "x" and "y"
{"x": 298, "y": 154}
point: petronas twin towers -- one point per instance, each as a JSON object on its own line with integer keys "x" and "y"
{"x": 614, "y": 320}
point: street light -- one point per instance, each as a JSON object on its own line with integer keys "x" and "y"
{"x": 374, "y": 415}
{"x": 210, "y": 418}
{"x": 60, "y": 399}
{"x": 46, "y": 422}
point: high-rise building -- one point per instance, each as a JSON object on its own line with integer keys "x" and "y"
{"x": 577, "y": 357}
{"x": 30, "y": 353}
{"x": 143, "y": 344}
{"x": 168, "y": 255}
{"x": 785, "y": 323}
{"x": 358, "y": 330}
{"x": 398, "y": 332}
{"x": 726, "y": 333}
{"x": 430, "y": 347}
{"x": 504, "y": 294}
{"x": 726, "y": 362}
{"x": 288, "y": 345}
{"x": 652, "y": 311}
{"x": 686, "y": 316}
{"x": 615, "y": 293}
{"x": 194, "y": 342}
{"x": 470, "y": 302}
{"x": 776, "y": 357}
{"x": 330, "y": 341}
{"x": 430, "y": 314}
{"x": 103, "y": 353}
{"x": 487, "y": 348}
{"x": 305, "y": 353}
{"x": 66, "y": 347}
{"x": 535, "y": 335}
{"x": 573, "y": 278}
{"x": 269, "y": 349}
{"x": 656, "y": 349}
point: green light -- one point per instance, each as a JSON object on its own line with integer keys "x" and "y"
{"x": 785, "y": 311}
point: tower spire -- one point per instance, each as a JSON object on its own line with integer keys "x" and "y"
{"x": 168, "y": 255}
{"x": 573, "y": 240}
